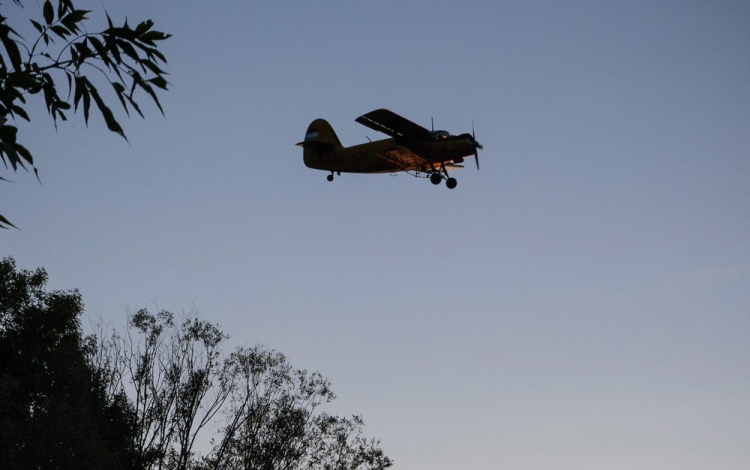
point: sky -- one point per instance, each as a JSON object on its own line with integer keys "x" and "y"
{"x": 581, "y": 302}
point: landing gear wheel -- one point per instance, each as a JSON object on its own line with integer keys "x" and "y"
{"x": 435, "y": 178}
{"x": 451, "y": 183}
{"x": 330, "y": 177}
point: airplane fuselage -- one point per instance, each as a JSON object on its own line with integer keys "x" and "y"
{"x": 361, "y": 158}
{"x": 382, "y": 156}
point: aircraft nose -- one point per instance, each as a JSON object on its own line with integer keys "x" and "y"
{"x": 473, "y": 142}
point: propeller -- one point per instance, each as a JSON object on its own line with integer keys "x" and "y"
{"x": 477, "y": 145}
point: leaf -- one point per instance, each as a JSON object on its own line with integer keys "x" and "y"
{"x": 5, "y": 222}
{"x": 151, "y": 92}
{"x": 25, "y": 154}
{"x": 21, "y": 112}
{"x": 153, "y": 67}
{"x": 60, "y": 30}
{"x": 152, "y": 36}
{"x": 86, "y": 101}
{"x": 63, "y": 6}
{"x": 100, "y": 50}
{"x": 138, "y": 81}
{"x": 109, "y": 118}
{"x": 8, "y": 134}
{"x": 72, "y": 19}
{"x": 143, "y": 27}
{"x": 49, "y": 13}
{"x": 10, "y": 149}
{"x": 50, "y": 94}
{"x": 114, "y": 50}
{"x": 128, "y": 49}
{"x": 150, "y": 51}
{"x": 159, "y": 82}
{"x": 120, "y": 90}
{"x": 75, "y": 58}
{"x": 134, "y": 105}
{"x": 37, "y": 26}
{"x": 79, "y": 89}
{"x": 10, "y": 46}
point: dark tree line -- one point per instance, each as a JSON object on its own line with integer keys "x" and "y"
{"x": 143, "y": 397}
{"x": 54, "y": 410}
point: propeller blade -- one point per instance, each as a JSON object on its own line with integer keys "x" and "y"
{"x": 477, "y": 145}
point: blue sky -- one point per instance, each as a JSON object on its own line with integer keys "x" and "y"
{"x": 583, "y": 301}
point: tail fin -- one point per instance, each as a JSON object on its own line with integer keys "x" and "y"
{"x": 320, "y": 134}
{"x": 320, "y": 141}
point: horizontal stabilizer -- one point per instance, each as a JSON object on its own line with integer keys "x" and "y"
{"x": 314, "y": 144}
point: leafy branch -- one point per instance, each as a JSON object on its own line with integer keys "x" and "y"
{"x": 128, "y": 59}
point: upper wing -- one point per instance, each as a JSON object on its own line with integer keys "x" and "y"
{"x": 390, "y": 123}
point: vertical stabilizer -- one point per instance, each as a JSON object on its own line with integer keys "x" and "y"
{"x": 320, "y": 142}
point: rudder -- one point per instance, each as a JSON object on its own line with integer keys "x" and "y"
{"x": 320, "y": 140}
{"x": 320, "y": 132}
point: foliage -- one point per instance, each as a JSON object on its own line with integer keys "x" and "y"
{"x": 141, "y": 399}
{"x": 58, "y": 65}
{"x": 54, "y": 411}
{"x": 271, "y": 421}
{"x": 181, "y": 382}
{"x": 177, "y": 381}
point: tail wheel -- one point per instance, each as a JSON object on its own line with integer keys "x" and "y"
{"x": 330, "y": 177}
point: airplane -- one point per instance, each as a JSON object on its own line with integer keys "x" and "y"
{"x": 411, "y": 148}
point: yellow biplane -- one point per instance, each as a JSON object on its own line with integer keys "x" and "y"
{"x": 411, "y": 148}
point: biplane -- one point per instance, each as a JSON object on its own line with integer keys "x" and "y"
{"x": 410, "y": 148}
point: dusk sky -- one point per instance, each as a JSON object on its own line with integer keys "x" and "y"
{"x": 582, "y": 302}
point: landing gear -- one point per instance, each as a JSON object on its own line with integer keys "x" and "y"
{"x": 330, "y": 177}
{"x": 437, "y": 176}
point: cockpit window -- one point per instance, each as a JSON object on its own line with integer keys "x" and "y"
{"x": 439, "y": 135}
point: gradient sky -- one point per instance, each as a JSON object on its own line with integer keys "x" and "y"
{"x": 582, "y": 302}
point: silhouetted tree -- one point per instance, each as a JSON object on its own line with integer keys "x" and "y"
{"x": 140, "y": 399}
{"x": 176, "y": 378}
{"x": 59, "y": 64}
{"x": 267, "y": 411}
{"x": 54, "y": 409}
{"x": 271, "y": 421}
